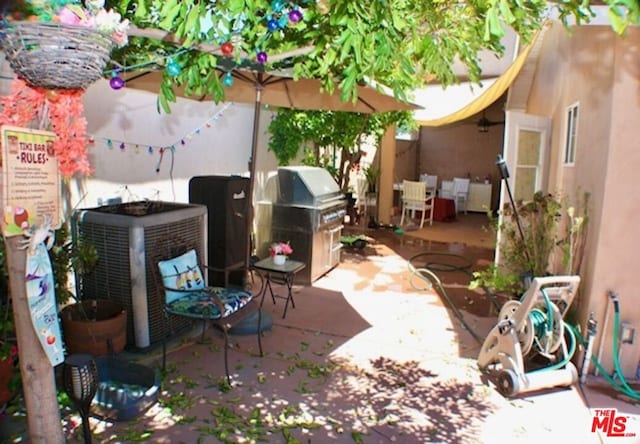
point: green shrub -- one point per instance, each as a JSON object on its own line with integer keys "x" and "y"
{"x": 545, "y": 233}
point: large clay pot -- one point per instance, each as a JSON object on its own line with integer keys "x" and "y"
{"x": 97, "y": 327}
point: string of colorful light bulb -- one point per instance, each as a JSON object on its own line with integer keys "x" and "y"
{"x": 281, "y": 15}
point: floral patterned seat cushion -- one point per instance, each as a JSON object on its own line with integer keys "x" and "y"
{"x": 200, "y": 304}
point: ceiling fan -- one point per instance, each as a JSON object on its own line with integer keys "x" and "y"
{"x": 484, "y": 123}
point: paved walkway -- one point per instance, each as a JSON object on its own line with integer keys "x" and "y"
{"x": 368, "y": 355}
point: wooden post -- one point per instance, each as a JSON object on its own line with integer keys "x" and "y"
{"x": 38, "y": 380}
{"x": 387, "y": 158}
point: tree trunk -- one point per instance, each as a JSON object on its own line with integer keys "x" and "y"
{"x": 38, "y": 380}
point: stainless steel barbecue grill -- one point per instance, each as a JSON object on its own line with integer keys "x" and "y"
{"x": 308, "y": 213}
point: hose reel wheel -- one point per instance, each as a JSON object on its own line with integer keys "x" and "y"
{"x": 507, "y": 383}
{"x": 553, "y": 343}
{"x": 526, "y": 333}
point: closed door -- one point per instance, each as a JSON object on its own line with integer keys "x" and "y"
{"x": 526, "y": 152}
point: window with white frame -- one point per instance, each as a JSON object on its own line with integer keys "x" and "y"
{"x": 570, "y": 137}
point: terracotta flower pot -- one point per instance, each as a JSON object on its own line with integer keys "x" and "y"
{"x": 97, "y": 327}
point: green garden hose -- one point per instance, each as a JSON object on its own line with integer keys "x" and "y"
{"x": 569, "y": 355}
{"x": 543, "y": 328}
{"x": 623, "y": 386}
{"x": 431, "y": 278}
{"x": 441, "y": 266}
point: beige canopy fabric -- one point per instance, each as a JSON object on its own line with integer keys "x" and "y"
{"x": 263, "y": 88}
{"x": 285, "y": 92}
{"x": 490, "y": 95}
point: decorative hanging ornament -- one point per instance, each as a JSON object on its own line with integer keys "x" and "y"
{"x": 295, "y": 16}
{"x": 261, "y": 57}
{"x": 227, "y": 79}
{"x": 173, "y": 68}
{"x": 116, "y": 82}
{"x": 273, "y": 25}
{"x": 227, "y": 48}
{"x": 277, "y": 5}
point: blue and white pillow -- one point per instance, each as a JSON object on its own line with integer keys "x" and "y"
{"x": 181, "y": 273}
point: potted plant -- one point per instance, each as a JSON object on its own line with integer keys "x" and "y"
{"x": 279, "y": 252}
{"x": 372, "y": 173}
{"x": 67, "y": 257}
{"x": 551, "y": 242}
{"x": 95, "y": 326}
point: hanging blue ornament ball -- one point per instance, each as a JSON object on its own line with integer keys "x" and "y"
{"x": 277, "y": 5}
{"x": 261, "y": 57}
{"x": 295, "y": 16}
{"x": 227, "y": 80}
{"x": 273, "y": 25}
{"x": 116, "y": 82}
{"x": 283, "y": 20}
{"x": 173, "y": 68}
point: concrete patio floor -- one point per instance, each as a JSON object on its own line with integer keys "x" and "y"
{"x": 368, "y": 355}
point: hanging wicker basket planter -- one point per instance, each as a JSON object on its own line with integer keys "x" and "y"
{"x": 51, "y": 55}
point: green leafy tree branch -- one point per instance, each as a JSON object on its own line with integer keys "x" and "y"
{"x": 403, "y": 44}
{"x": 312, "y": 134}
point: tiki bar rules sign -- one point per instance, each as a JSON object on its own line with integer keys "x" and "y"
{"x": 30, "y": 179}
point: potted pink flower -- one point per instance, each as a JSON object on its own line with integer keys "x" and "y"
{"x": 279, "y": 252}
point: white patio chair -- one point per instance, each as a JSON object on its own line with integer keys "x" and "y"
{"x": 460, "y": 193}
{"x": 415, "y": 198}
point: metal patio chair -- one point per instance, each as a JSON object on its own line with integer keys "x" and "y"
{"x": 180, "y": 277}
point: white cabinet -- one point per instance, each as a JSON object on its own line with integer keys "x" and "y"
{"x": 479, "y": 198}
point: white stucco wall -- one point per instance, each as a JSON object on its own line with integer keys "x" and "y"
{"x": 217, "y": 142}
{"x": 598, "y": 70}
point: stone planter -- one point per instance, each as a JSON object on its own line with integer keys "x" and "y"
{"x": 96, "y": 326}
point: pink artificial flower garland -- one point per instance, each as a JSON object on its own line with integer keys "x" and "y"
{"x": 65, "y": 114}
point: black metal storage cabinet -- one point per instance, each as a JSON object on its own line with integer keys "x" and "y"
{"x": 227, "y": 200}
